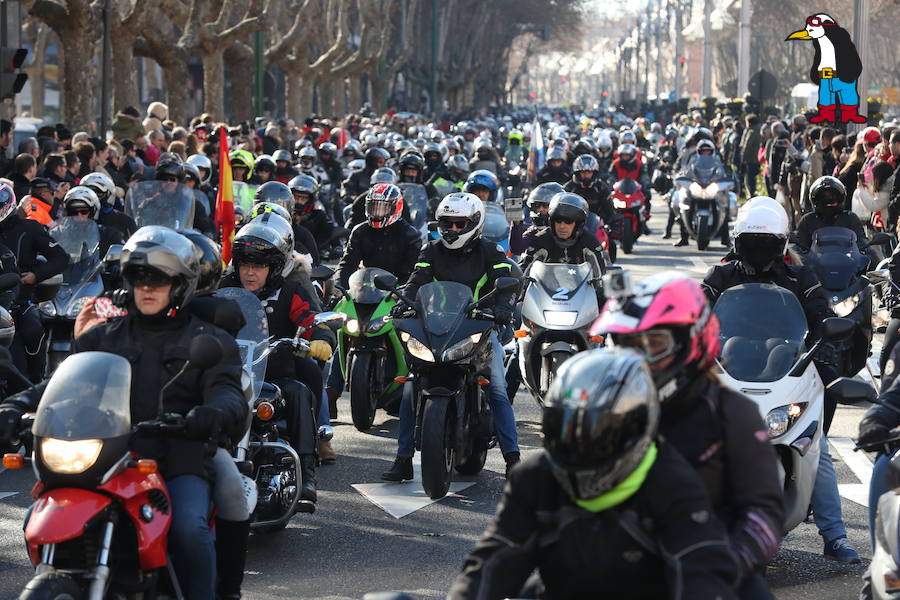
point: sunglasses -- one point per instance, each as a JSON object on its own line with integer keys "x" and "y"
{"x": 148, "y": 278}
{"x": 169, "y": 178}
{"x": 78, "y": 211}
{"x": 454, "y": 224}
{"x": 564, "y": 221}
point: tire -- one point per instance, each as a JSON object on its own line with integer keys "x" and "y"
{"x": 703, "y": 233}
{"x": 627, "y": 236}
{"x": 473, "y": 464}
{"x": 362, "y": 409}
{"x": 437, "y": 451}
{"x": 52, "y": 586}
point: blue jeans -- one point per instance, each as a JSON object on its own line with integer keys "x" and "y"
{"x": 335, "y": 380}
{"x": 835, "y": 91}
{"x": 826, "y": 501}
{"x": 504, "y": 419}
{"x": 324, "y": 416}
{"x": 190, "y": 541}
{"x": 877, "y": 487}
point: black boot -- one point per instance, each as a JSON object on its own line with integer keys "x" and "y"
{"x": 401, "y": 470}
{"x": 682, "y": 242}
{"x": 231, "y": 555}
{"x": 308, "y": 470}
{"x": 512, "y": 459}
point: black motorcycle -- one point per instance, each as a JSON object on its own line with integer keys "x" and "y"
{"x": 448, "y": 347}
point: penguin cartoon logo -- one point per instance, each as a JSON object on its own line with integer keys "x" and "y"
{"x": 836, "y": 67}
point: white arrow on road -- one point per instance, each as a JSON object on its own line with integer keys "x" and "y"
{"x": 401, "y": 499}
{"x": 861, "y": 467}
{"x": 698, "y": 265}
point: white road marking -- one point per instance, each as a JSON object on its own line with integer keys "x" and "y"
{"x": 6, "y": 494}
{"x": 861, "y": 467}
{"x": 401, "y": 499}
{"x": 699, "y": 266}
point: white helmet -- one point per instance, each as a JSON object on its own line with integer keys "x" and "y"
{"x": 706, "y": 144}
{"x": 764, "y": 201}
{"x": 761, "y": 237}
{"x": 201, "y": 161}
{"x": 81, "y": 194}
{"x": 102, "y": 185}
{"x": 356, "y": 165}
{"x": 455, "y": 207}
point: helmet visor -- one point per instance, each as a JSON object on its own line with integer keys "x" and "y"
{"x": 654, "y": 344}
{"x": 759, "y": 249}
{"x": 594, "y": 438}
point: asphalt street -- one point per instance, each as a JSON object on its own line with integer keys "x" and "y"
{"x": 354, "y": 544}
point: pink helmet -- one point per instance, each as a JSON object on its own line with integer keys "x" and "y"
{"x": 666, "y": 301}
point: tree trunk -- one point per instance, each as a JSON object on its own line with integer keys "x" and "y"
{"x": 175, "y": 75}
{"x": 297, "y": 98}
{"x": 77, "y": 89}
{"x": 214, "y": 84}
{"x": 124, "y": 83}
{"x": 379, "y": 94}
{"x": 35, "y": 70}
{"x": 239, "y": 58}
{"x": 305, "y": 108}
{"x": 326, "y": 98}
{"x": 355, "y": 95}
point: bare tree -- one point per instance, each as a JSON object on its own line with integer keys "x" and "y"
{"x": 127, "y": 22}
{"x": 38, "y": 35}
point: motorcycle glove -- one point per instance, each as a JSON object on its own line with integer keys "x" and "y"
{"x": 203, "y": 422}
{"x": 9, "y": 422}
{"x": 871, "y": 431}
{"x": 502, "y": 316}
{"x": 319, "y": 350}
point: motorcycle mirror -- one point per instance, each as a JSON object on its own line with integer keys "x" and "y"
{"x": 385, "y": 282}
{"x": 880, "y": 238}
{"x": 590, "y": 257}
{"x": 113, "y": 254}
{"x": 507, "y": 284}
{"x": 878, "y": 275}
{"x": 321, "y": 273}
{"x": 9, "y": 281}
{"x": 46, "y": 290}
{"x": 837, "y": 328}
{"x": 845, "y": 390}
{"x": 329, "y": 320}
{"x": 205, "y": 352}
{"x": 432, "y": 226}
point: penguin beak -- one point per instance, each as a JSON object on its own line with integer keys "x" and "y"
{"x": 799, "y": 35}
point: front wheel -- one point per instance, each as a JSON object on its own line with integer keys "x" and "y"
{"x": 437, "y": 447}
{"x": 627, "y": 236}
{"x": 52, "y": 586}
{"x": 702, "y": 233}
{"x": 362, "y": 390}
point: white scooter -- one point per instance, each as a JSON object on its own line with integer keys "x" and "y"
{"x": 558, "y": 309}
{"x": 763, "y": 333}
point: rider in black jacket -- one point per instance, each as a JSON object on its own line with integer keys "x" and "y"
{"x": 587, "y": 183}
{"x": 827, "y": 195}
{"x": 161, "y": 271}
{"x": 358, "y": 183}
{"x": 602, "y": 512}
{"x": 565, "y": 240}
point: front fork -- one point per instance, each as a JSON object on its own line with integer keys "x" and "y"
{"x": 99, "y": 576}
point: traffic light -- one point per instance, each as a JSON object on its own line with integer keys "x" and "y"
{"x": 11, "y": 81}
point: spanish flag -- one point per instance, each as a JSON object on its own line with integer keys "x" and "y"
{"x": 225, "y": 199}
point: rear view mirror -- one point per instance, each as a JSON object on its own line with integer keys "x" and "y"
{"x": 507, "y": 284}
{"x": 113, "y": 254}
{"x": 837, "y": 328}
{"x": 878, "y": 276}
{"x": 845, "y": 390}
{"x": 205, "y": 352}
{"x": 385, "y": 282}
{"x": 329, "y": 320}
{"x": 880, "y": 238}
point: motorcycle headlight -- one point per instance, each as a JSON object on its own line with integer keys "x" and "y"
{"x": 844, "y": 307}
{"x": 461, "y": 349}
{"x": 696, "y": 189}
{"x": 70, "y": 457}
{"x": 417, "y": 348}
{"x": 352, "y": 326}
{"x": 619, "y": 203}
{"x": 48, "y": 308}
{"x": 377, "y": 324}
{"x": 560, "y": 318}
{"x": 710, "y": 191}
{"x": 76, "y": 305}
{"x": 780, "y": 419}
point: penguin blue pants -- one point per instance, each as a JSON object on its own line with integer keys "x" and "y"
{"x": 834, "y": 91}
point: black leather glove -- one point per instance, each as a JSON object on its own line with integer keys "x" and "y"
{"x": 203, "y": 422}
{"x": 872, "y": 431}
{"x": 9, "y": 423}
{"x": 502, "y": 316}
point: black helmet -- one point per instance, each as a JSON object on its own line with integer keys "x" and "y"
{"x": 169, "y": 168}
{"x": 276, "y": 192}
{"x": 210, "y": 262}
{"x": 541, "y": 195}
{"x": 264, "y": 163}
{"x": 373, "y": 155}
{"x": 328, "y": 148}
{"x": 567, "y": 206}
{"x": 155, "y": 252}
{"x": 259, "y": 243}
{"x": 827, "y": 195}
{"x": 585, "y": 145}
{"x": 433, "y": 155}
{"x": 383, "y": 175}
{"x": 411, "y": 160}
{"x": 304, "y": 184}
{"x": 600, "y": 419}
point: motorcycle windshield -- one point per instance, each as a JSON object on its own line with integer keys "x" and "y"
{"x": 416, "y": 199}
{"x": 81, "y": 241}
{"x": 201, "y": 203}
{"x": 755, "y": 349}
{"x": 252, "y": 339}
{"x": 163, "y": 203}
{"x": 87, "y": 398}
{"x": 443, "y": 305}
{"x": 560, "y": 281}
{"x": 835, "y": 257}
{"x": 243, "y": 195}
{"x": 705, "y": 168}
{"x": 362, "y": 288}
{"x": 496, "y": 227}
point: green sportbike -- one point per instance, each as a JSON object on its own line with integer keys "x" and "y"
{"x": 369, "y": 349}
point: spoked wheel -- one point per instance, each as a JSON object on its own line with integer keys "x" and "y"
{"x": 362, "y": 388}
{"x": 437, "y": 447}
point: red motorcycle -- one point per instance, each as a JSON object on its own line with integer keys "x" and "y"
{"x": 99, "y": 525}
{"x": 628, "y": 199}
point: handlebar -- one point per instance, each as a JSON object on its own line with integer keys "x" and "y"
{"x": 166, "y": 423}
{"x": 886, "y": 443}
